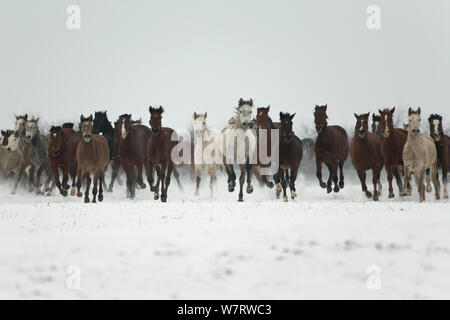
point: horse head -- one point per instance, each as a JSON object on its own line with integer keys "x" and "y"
{"x": 244, "y": 112}
{"x": 387, "y": 122}
{"x": 362, "y": 125}
{"x": 55, "y": 143}
{"x": 86, "y": 127}
{"x": 376, "y": 124}
{"x": 31, "y": 129}
{"x": 155, "y": 119}
{"x": 199, "y": 123}
{"x": 414, "y": 120}
{"x": 21, "y": 122}
{"x": 100, "y": 119}
{"x": 286, "y": 126}
{"x": 5, "y": 136}
{"x": 262, "y": 117}
{"x": 320, "y": 118}
{"x": 123, "y": 126}
{"x": 436, "y": 130}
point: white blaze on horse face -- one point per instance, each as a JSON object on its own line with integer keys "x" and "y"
{"x": 436, "y": 127}
{"x": 386, "y": 129}
{"x": 13, "y": 143}
{"x": 245, "y": 114}
{"x": 362, "y": 126}
{"x": 124, "y": 131}
{"x": 20, "y": 125}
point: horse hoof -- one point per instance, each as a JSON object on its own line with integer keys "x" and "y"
{"x": 73, "y": 192}
{"x": 278, "y": 187}
{"x": 142, "y": 185}
{"x": 336, "y": 189}
{"x": 391, "y": 195}
{"x": 249, "y": 189}
{"x": 446, "y": 196}
{"x": 323, "y": 185}
{"x": 285, "y": 199}
{"x": 230, "y": 189}
{"x": 375, "y": 197}
{"x": 94, "y": 201}
{"x": 329, "y": 189}
{"x": 156, "y": 196}
{"x": 437, "y": 198}
{"x": 240, "y": 200}
{"x": 429, "y": 189}
{"x": 64, "y": 193}
{"x": 270, "y": 185}
{"x": 86, "y": 200}
{"x": 293, "y": 195}
{"x": 110, "y": 189}
{"x": 196, "y": 193}
{"x": 100, "y": 197}
{"x": 163, "y": 198}
{"x": 79, "y": 194}
{"x": 341, "y": 184}
{"x": 368, "y": 194}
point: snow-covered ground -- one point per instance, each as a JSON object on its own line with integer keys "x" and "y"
{"x": 318, "y": 246}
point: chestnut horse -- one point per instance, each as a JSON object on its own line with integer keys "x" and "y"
{"x": 442, "y": 143}
{"x": 62, "y": 150}
{"x": 365, "y": 152}
{"x": 392, "y": 144}
{"x": 159, "y": 151}
{"x": 92, "y": 158}
{"x": 291, "y": 153}
{"x": 331, "y": 148}
{"x": 133, "y": 151}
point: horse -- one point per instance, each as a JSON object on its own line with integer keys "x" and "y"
{"x": 62, "y": 150}
{"x": 102, "y": 125}
{"x": 10, "y": 160}
{"x": 419, "y": 156}
{"x": 290, "y": 156}
{"x": 133, "y": 151}
{"x": 236, "y": 136}
{"x": 331, "y": 148}
{"x": 204, "y": 140}
{"x": 376, "y": 125}
{"x": 392, "y": 144}
{"x": 365, "y": 153}
{"x": 92, "y": 157}
{"x": 159, "y": 153}
{"x": 38, "y": 156}
{"x": 442, "y": 143}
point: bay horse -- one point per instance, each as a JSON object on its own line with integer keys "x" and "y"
{"x": 331, "y": 148}
{"x": 92, "y": 158}
{"x": 419, "y": 156}
{"x": 236, "y": 136}
{"x": 133, "y": 152}
{"x": 291, "y": 153}
{"x": 442, "y": 143}
{"x": 365, "y": 153}
{"x": 392, "y": 145}
{"x": 206, "y": 152}
{"x": 62, "y": 150}
{"x": 159, "y": 149}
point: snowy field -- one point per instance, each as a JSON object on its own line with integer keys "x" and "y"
{"x": 319, "y": 246}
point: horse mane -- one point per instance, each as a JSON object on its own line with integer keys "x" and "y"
{"x": 67, "y": 125}
{"x": 435, "y": 117}
{"x": 284, "y": 115}
{"x": 125, "y": 115}
{"x": 55, "y": 128}
{"x": 376, "y": 117}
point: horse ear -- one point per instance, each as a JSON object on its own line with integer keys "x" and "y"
{"x": 161, "y": 109}
{"x": 26, "y": 116}
{"x": 195, "y": 115}
{"x": 150, "y": 109}
{"x": 379, "y": 110}
{"x": 81, "y": 118}
{"x": 356, "y": 116}
{"x": 419, "y": 111}
{"x": 37, "y": 119}
{"x": 292, "y": 116}
{"x": 251, "y": 102}
{"x": 281, "y": 114}
{"x": 90, "y": 117}
{"x": 393, "y": 110}
{"x": 325, "y": 107}
{"x": 410, "y": 111}
{"x": 206, "y": 114}
{"x": 268, "y": 108}
{"x": 17, "y": 118}
{"x": 241, "y": 101}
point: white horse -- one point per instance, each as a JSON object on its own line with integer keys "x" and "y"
{"x": 237, "y": 144}
{"x": 205, "y": 150}
{"x": 419, "y": 156}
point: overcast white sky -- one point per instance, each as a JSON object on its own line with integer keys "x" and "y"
{"x": 203, "y": 55}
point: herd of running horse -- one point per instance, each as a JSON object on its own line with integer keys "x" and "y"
{"x": 86, "y": 152}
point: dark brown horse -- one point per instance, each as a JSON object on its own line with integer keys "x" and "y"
{"x": 62, "y": 150}
{"x": 290, "y": 155}
{"x": 392, "y": 144}
{"x": 92, "y": 158}
{"x": 376, "y": 125}
{"x": 442, "y": 143}
{"x": 5, "y": 135}
{"x": 159, "y": 150}
{"x": 365, "y": 152}
{"x": 331, "y": 148}
{"x": 133, "y": 151}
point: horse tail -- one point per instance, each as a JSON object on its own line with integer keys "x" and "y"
{"x": 309, "y": 145}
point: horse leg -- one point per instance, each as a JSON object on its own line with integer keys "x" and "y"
{"x": 241, "y": 182}
{"x": 389, "y": 177}
{"x": 330, "y": 178}
{"x": 66, "y": 170}
{"x": 375, "y": 181}
{"x": 248, "y": 167}
{"x": 158, "y": 174}
{"x": 362, "y": 178}
{"x": 58, "y": 183}
{"x": 115, "y": 170}
{"x": 198, "y": 179}
{"x": 95, "y": 185}
{"x": 335, "y": 176}
{"x": 73, "y": 174}
{"x": 444, "y": 179}
{"x": 284, "y": 184}
{"x": 421, "y": 182}
{"x": 38, "y": 174}
{"x": 293, "y": 177}
{"x": 140, "y": 179}
{"x": 167, "y": 182}
{"x": 212, "y": 179}
{"x": 437, "y": 186}
{"x": 341, "y": 174}
{"x": 429, "y": 188}
{"x": 79, "y": 177}
{"x": 87, "y": 177}
{"x": 163, "y": 183}
{"x": 398, "y": 179}
{"x": 323, "y": 185}
{"x": 277, "y": 180}
{"x": 19, "y": 178}
{"x": 150, "y": 177}
{"x": 231, "y": 177}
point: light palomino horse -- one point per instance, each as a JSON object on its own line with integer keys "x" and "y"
{"x": 205, "y": 150}
{"x": 38, "y": 156}
{"x": 237, "y": 144}
{"x": 419, "y": 155}
{"x": 13, "y": 161}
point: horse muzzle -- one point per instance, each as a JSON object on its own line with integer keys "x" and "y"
{"x": 155, "y": 131}
{"x": 415, "y": 131}
{"x": 436, "y": 137}
{"x": 362, "y": 133}
{"x": 56, "y": 154}
{"x": 287, "y": 139}
{"x": 87, "y": 137}
{"x": 319, "y": 129}
{"x": 28, "y": 137}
